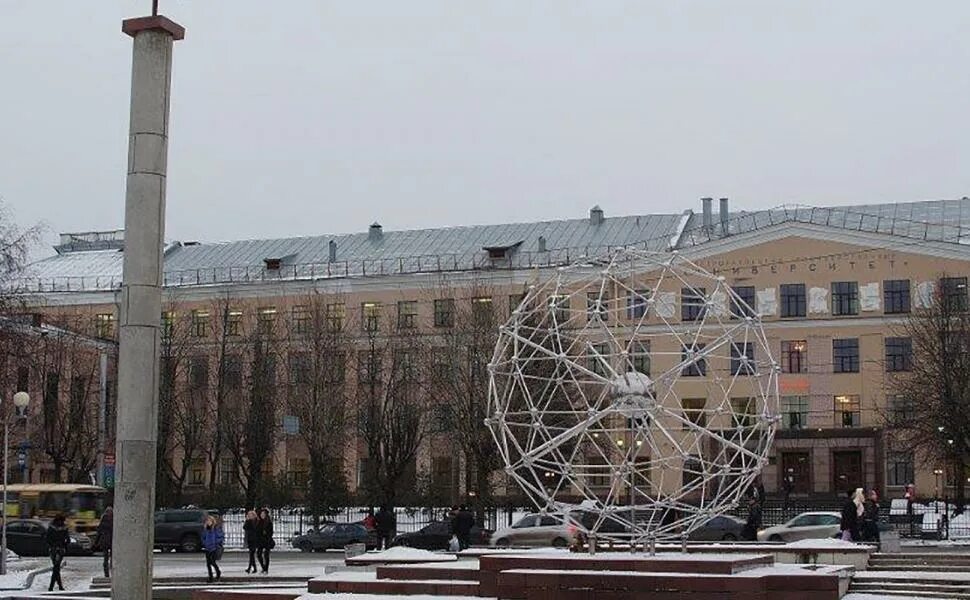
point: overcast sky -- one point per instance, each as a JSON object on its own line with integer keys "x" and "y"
{"x": 301, "y": 117}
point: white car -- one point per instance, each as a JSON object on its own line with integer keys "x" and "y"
{"x": 809, "y": 525}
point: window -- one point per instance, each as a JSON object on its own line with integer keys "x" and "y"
{"x": 636, "y": 304}
{"x": 742, "y": 412}
{"x": 694, "y": 411}
{"x": 901, "y": 410}
{"x": 742, "y": 358}
{"x": 197, "y": 473}
{"x": 640, "y": 356}
{"x": 299, "y": 368}
{"x": 290, "y": 424}
{"x": 482, "y": 307}
{"x": 559, "y": 305}
{"x": 596, "y": 307}
{"x": 954, "y": 292}
{"x": 899, "y": 354}
{"x": 794, "y": 356}
{"x": 743, "y": 305}
{"x": 301, "y": 317}
{"x": 104, "y": 325}
{"x": 265, "y": 319}
{"x": 692, "y": 301}
{"x": 234, "y": 322}
{"x": 199, "y": 372}
{"x": 848, "y": 411}
{"x": 200, "y": 323}
{"x": 298, "y": 472}
{"x": 370, "y": 313}
{"x": 599, "y": 359}
{"x": 405, "y": 367}
{"x": 407, "y": 312}
{"x": 693, "y": 470}
{"x": 845, "y": 355}
{"x": 444, "y": 312}
{"x": 335, "y": 369}
{"x": 694, "y": 363}
{"x": 227, "y": 471}
{"x": 896, "y": 296}
{"x": 335, "y": 313}
{"x": 233, "y": 371}
{"x": 168, "y": 323}
{"x": 23, "y": 379}
{"x": 794, "y": 412}
{"x": 899, "y": 468}
{"x": 792, "y": 300}
{"x": 368, "y": 366}
{"x": 845, "y": 298}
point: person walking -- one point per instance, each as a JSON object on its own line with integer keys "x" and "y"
{"x": 851, "y": 516}
{"x": 105, "y": 533}
{"x": 249, "y": 537}
{"x": 463, "y": 522}
{"x": 386, "y": 524}
{"x": 57, "y": 538}
{"x": 910, "y": 501}
{"x": 788, "y": 486}
{"x": 264, "y": 539}
{"x": 212, "y": 542}
{"x": 870, "y": 518}
{"x": 749, "y": 532}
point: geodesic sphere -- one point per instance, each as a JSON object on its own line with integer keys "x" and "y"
{"x": 638, "y": 386}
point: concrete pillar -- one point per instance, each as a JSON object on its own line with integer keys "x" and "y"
{"x": 140, "y": 305}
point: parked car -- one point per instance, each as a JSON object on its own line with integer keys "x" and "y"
{"x": 809, "y": 525}
{"x": 535, "y": 530}
{"x": 335, "y": 535}
{"x": 28, "y": 537}
{"x": 719, "y": 529}
{"x": 180, "y": 530}
{"x": 436, "y": 535}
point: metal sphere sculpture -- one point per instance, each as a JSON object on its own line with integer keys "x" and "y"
{"x": 611, "y": 400}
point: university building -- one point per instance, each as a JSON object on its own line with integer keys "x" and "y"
{"x": 834, "y": 287}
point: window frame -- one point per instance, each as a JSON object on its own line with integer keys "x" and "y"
{"x": 845, "y": 363}
{"x": 407, "y": 314}
{"x": 898, "y": 354}
{"x": 896, "y": 301}
{"x": 693, "y": 303}
{"x": 845, "y": 298}
{"x": 444, "y": 312}
{"x": 741, "y": 311}
{"x": 793, "y": 300}
{"x": 791, "y": 353}
{"x": 854, "y": 403}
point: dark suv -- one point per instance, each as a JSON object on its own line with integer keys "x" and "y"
{"x": 180, "y": 530}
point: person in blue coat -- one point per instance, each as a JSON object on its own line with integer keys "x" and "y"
{"x": 212, "y": 542}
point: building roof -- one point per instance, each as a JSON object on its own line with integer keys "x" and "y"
{"x": 514, "y": 245}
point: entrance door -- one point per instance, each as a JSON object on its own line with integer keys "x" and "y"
{"x": 847, "y": 471}
{"x": 797, "y": 465}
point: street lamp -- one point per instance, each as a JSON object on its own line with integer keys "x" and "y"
{"x": 20, "y": 402}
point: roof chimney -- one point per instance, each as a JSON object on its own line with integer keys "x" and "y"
{"x": 708, "y": 221}
{"x": 724, "y": 217}
{"x": 333, "y": 251}
{"x": 375, "y": 233}
{"x": 596, "y": 215}
{"x": 542, "y": 243}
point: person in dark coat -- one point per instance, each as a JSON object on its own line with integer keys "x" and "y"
{"x": 212, "y": 541}
{"x": 849, "y": 525}
{"x": 57, "y": 539}
{"x": 463, "y": 523}
{"x": 386, "y": 524}
{"x": 264, "y": 539}
{"x": 749, "y": 532}
{"x": 870, "y": 518}
{"x": 105, "y": 539}
{"x": 250, "y": 535}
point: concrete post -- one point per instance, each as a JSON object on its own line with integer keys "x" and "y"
{"x": 140, "y": 306}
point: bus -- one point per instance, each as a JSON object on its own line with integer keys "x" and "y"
{"x": 82, "y": 505}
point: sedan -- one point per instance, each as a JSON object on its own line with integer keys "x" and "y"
{"x": 718, "y": 529}
{"x": 810, "y": 525}
{"x": 335, "y": 536}
{"x": 28, "y": 537}
{"x": 436, "y": 536}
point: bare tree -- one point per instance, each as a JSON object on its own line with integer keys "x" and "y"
{"x": 393, "y": 407}
{"x": 319, "y": 349}
{"x": 226, "y": 352}
{"x": 930, "y": 391}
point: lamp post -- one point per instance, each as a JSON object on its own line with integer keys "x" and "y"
{"x": 20, "y": 402}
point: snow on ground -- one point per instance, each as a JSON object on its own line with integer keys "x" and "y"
{"x": 906, "y": 575}
{"x": 826, "y": 543}
{"x": 852, "y": 596}
{"x": 398, "y": 553}
{"x": 374, "y": 597}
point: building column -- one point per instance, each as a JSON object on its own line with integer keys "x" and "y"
{"x": 140, "y": 305}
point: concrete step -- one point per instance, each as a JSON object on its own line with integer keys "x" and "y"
{"x": 99, "y": 583}
{"x": 929, "y": 568}
{"x": 911, "y": 594}
{"x": 871, "y": 585}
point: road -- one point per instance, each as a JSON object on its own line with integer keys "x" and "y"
{"x": 79, "y": 570}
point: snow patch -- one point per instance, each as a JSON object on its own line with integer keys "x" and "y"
{"x": 826, "y": 543}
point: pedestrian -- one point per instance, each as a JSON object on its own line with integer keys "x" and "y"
{"x": 749, "y": 532}
{"x": 370, "y": 523}
{"x": 851, "y": 513}
{"x": 910, "y": 500}
{"x": 212, "y": 542}
{"x": 870, "y": 518}
{"x": 463, "y": 522}
{"x": 386, "y": 524}
{"x": 264, "y": 539}
{"x": 250, "y": 536}
{"x": 105, "y": 538}
{"x": 788, "y": 486}
{"x": 57, "y": 538}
